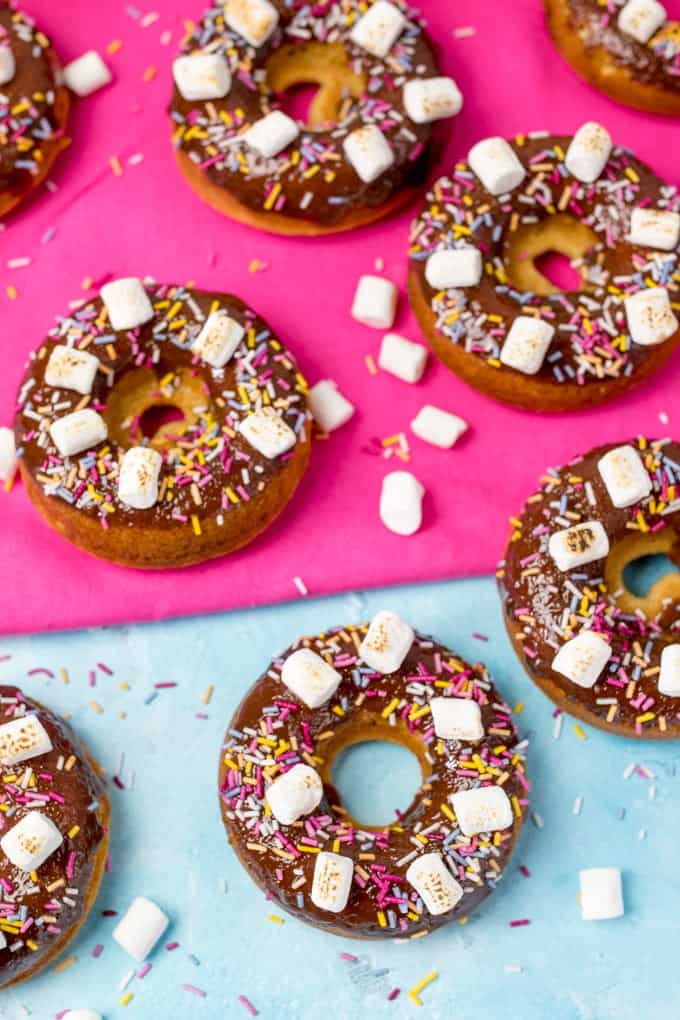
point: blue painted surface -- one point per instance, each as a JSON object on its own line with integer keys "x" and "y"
{"x": 168, "y": 841}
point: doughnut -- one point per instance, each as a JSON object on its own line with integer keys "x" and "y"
{"x": 34, "y": 105}
{"x": 107, "y": 472}
{"x": 628, "y": 49}
{"x": 445, "y": 854}
{"x": 602, "y": 653}
{"x": 54, "y": 817}
{"x": 369, "y": 140}
{"x": 489, "y": 312}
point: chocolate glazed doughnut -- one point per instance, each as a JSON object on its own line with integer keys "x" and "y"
{"x": 284, "y": 818}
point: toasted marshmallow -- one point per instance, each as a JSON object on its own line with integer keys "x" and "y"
{"x": 583, "y": 658}
{"x": 526, "y": 344}
{"x": 669, "y": 676}
{"x": 201, "y": 76}
{"x": 434, "y": 883}
{"x": 402, "y": 357}
{"x": 295, "y": 794}
{"x": 457, "y": 267}
{"x": 71, "y": 369}
{"x": 78, "y": 431}
{"x": 87, "y": 74}
{"x": 369, "y": 152}
{"x": 655, "y": 228}
{"x": 601, "y": 894}
{"x": 330, "y": 409}
{"x": 8, "y": 65}
{"x": 401, "y": 503}
{"x": 437, "y": 427}
{"x": 625, "y": 476}
{"x": 141, "y": 928}
{"x": 588, "y": 152}
{"x": 375, "y": 302}
{"x": 497, "y": 165}
{"x": 272, "y": 134}
{"x": 332, "y": 881}
{"x": 138, "y": 477}
{"x": 219, "y": 338}
{"x": 650, "y": 316}
{"x": 8, "y": 454}
{"x": 457, "y": 718}
{"x": 428, "y": 99}
{"x": 254, "y": 20}
{"x": 127, "y": 303}
{"x": 387, "y": 642}
{"x": 574, "y": 547}
{"x": 31, "y": 841}
{"x": 268, "y": 433}
{"x": 642, "y": 19}
{"x": 82, "y": 1014}
{"x": 484, "y": 809}
{"x": 378, "y": 29}
{"x": 22, "y": 739}
{"x": 310, "y": 678}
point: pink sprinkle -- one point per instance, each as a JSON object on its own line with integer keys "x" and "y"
{"x": 480, "y": 637}
{"x": 248, "y": 1005}
{"x": 172, "y": 945}
{"x": 97, "y": 951}
{"x": 393, "y": 994}
{"x": 349, "y": 957}
{"x": 525, "y": 871}
{"x": 194, "y": 990}
{"x": 520, "y": 924}
{"x": 144, "y": 970}
{"x": 104, "y": 668}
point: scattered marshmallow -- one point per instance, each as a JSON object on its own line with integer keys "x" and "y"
{"x": 141, "y": 928}
{"x": 127, "y": 303}
{"x": 254, "y": 20}
{"x": 401, "y": 503}
{"x": 402, "y": 357}
{"x": 428, "y": 99}
{"x": 378, "y": 29}
{"x": 484, "y": 809}
{"x": 369, "y": 152}
{"x": 601, "y": 894}
{"x": 387, "y": 642}
{"x": 295, "y": 794}
{"x": 497, "y": 165}
{"x": 71, "y": 369}
{"x": 309, "y": 677}
{"x": 330, "y": 409}
{"x": 23, "y": 738}
{"x": 588, "y": 152}
{"x": 650, "y": 316}
{"x": 82, "y": 1014}
{"x": 268, "y": 433}
{"x": 655, "y": 228}
{"x": 87, "y": 74}
{"x": 375, "y": 302}
{"x": 8, "y": 454}
{"x": 457, "y": 718}
{"x": 625, "y": 476}
{"x": 669, "y": 676}
{"x": 642, "y": 19}
{"x": 271, "y": 134}
{"x": 574, "y": 547}
{"x": 437, "y": 427}
{"x": 434, "y": 883}
{"x": 526, "y": 344}
{"x": 78, "y": 431}
{"x": 219, "y": 338}
{"x": 332, "y": 881}
{"x": 31, "y": 841}
{"x": 582, "y": 659}
{"x": 456, "y": 267}
{"x": 8, "y": 65}
{"x": 201, "y": 76}
{"x": 138, "y": 477}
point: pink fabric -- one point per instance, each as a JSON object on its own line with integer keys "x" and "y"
{"x": 148, "y": 221}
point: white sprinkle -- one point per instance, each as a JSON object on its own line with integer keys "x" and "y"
{"x": 557, "y": 728}
{"x": 379, "y": 264}
{"x": 464, "y": 32}
{"x": 652, "y": 792}
{"x": 301, "y": 586}
{"x": 663, "y": 418}
{"x": 537, "y": 820}
{"x": 126, "y": 981}
{"x": 578, "y": 804}
{"x": 136, "y": 158}
{"x": 642, "y": 834}
{"x": 149, "y": 19}
{"x": 166, "y": 37}
{"x": 628, "y": 772}
{"x": 512, "y": 968}
{"x": 19, "y": 263}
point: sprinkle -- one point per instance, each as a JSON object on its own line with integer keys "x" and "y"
{"x": 248, "y": 1005}
{"x": 414, "y": 993}
{"x": 301, "y": 586}
{"x": 193, "y": 990}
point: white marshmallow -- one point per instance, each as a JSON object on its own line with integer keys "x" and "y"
{"x": 8, "y": 65}
{"x": 642, "y": 19}
{"x": 434, "y": 883}
{"x": 138, "y": 477}
{"x": 574, "y": 547}
{"x": 87, "y": 74}
{"x": 601, "y": 894}
{"x": 526, "y": 344}
{"x": 219, "y": 338}
{"x": 310, "y": 678}
{"x": 582, "y": 658}
{"x": 201, "y": 76}
{"x": 8, "y": 454}
{"x": 31, "y": 841}
{"x": 588, "y": 152}
{"x": 655, "y": 228}
{"x": 650, "y": 316}
{"x": 375, "y": 302}
{"x": 141, "y": 928}
{"x": 23, "y": 738}
{"x": 402, "y": 357}
{"x": 457, "y": 267}
{"x": 401, "y": 503}
{"x": 332, "y": 882}
{"x": 71, "y": 369}
{"x": 669, "y": 677}
{"x": 78, "y": 431}
{"x": 295, "y": 794}
{"x": 379, "y": 28}
{"x": 268, "y": 433}
{"x": 82, "y": 1014}
{"x": 271, "y": 134}
{"x": 127, "y": 303}
{"x": 625, "y": 476}
{"x": 497, "y": 165}
{"x": 254, "y": 20}
{"x": 484, "y": 809}
{"x": 428, "y": 99}
{"x": 330, "y": 409}
{"x": 437, "y": 427}
{"x": 369, "y": 152}
{"x": 457, "y": 718}
{"x": 387, "y": 642}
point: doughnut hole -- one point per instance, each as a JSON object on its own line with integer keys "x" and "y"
{"x": 624, "y": 566}
{"x": 137, "y": 408}
{"x": 324, "y": 67}
{"x": 533, "y": 247}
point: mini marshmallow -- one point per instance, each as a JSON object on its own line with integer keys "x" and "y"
{"x": 332, "y": 882}
{"x": 8, "y": 454}
{"x": 497, "y": 165}
{"x": 402, "y": 357}
{"x": 588, "y": 152}
{"x": 428, "y": 99}
{"x": 295, "y": 794}
{"x": 309, "y": 677}
{"x": 484, "y": 809}
{"x": 31, "y": 841}
{"x": 78, "y": 431}
{"x": 87, "y": 74}
{"x": 201, "y": 76}
{"x": 271, "y": 134}
{"x": 387, "y": 642}
{"x": 601, "y": 894}
{"x": 82, "y": 1014}
{"x": 457, "y": 718}
{"x": 23, "y": 738}
{"x": 8, "y": 65}
{"x": 268, "y": 433}
{"x": 71, "y": 369}
{"x": 655, "y": 228}
{"x": 375, "y": 302}
{"x": 437, "y": 427}
{"x": 583, "y": 658}
{"x": 526, "y": 344}
{"x": 254, "y": 20}
{"x": 138, "y": 477}
{"x": 401, "y": 503}
{"x": 127, "y": 303}
{"x": 219, "y": 338}
{"x": 625, "y": 476}
{"x": 378, "y": 29}
{"x": 669, "y": 676}
{"x": 369, "y": 152}
{"x": 330, "y": 409}
{"x": 434, "y": 883}
{"x": 642, "y": 19}
{"x": 457, "y": 267}
{"x": 574, "y": 547}
{"x": 650, "y": 316}
{"x": 141, "y": 928}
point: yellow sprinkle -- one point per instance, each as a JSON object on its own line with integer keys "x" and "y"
{"x": 73, "y": 831}
{"x": 12, "y": 292}
{"x": 276, "y": 919}
{"x": 519, "y": 707}
{"x": 149, "y": 74}
{"x": 647, "y": 717}
{"x": 65, "y": 964}
{"x": 196, "y": 524}
{"x": 579, "y": 732}
{"x": 414, "y": 993}
{"x": 114, "y": 46}
{"x": 371, "y": 365}
{"x": 207, "y": 694}
{"x": 115, "y": 165}
{"x": 128, "y": 997}
{"x": 96, "y": 707}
